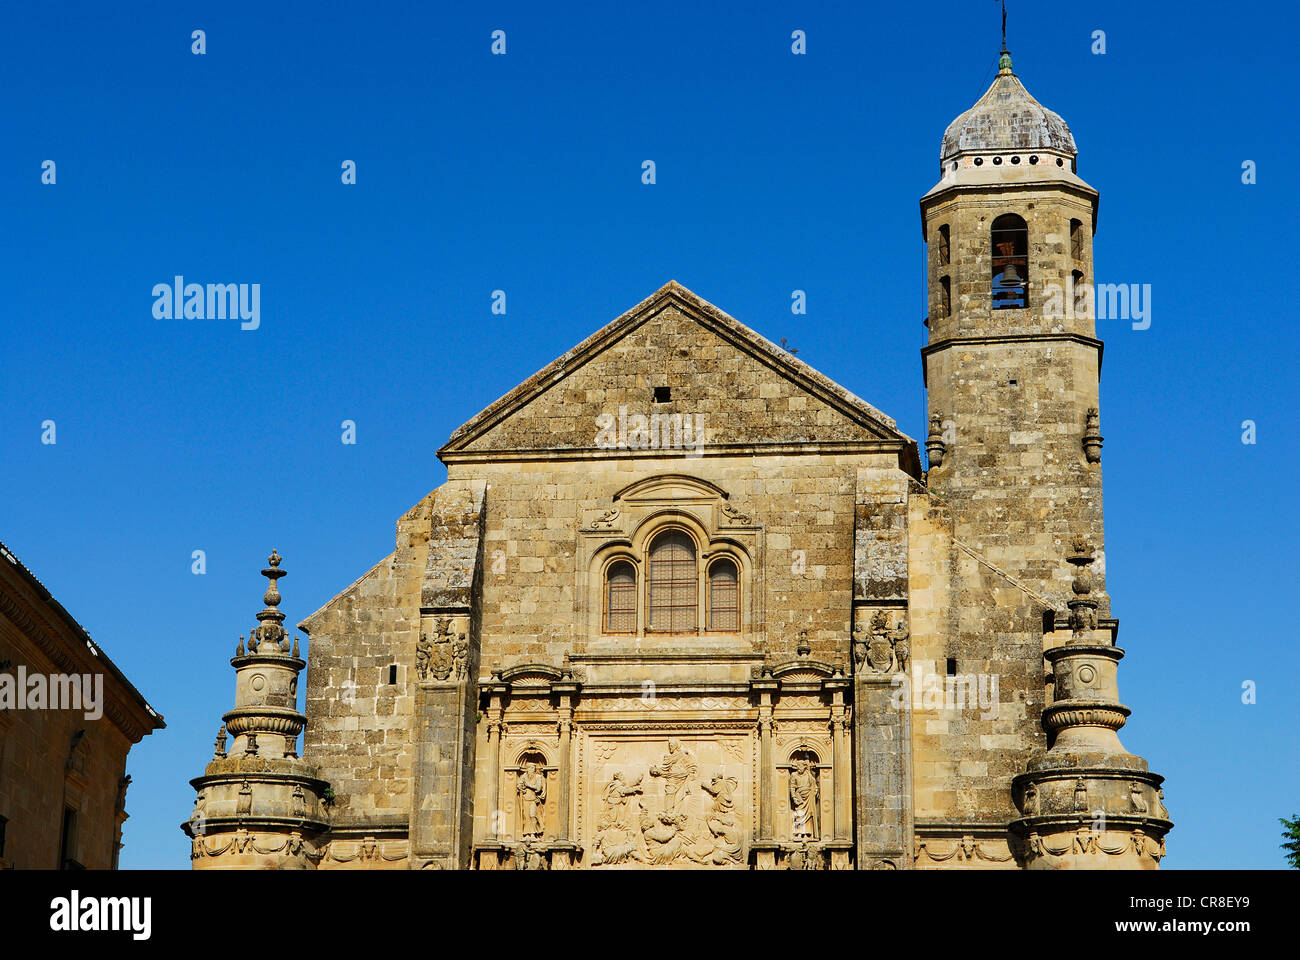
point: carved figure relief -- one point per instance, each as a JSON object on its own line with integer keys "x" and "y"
{"x": 721, "y": 820}
{"x": 529, "y": 857}
{"x": 735, "y": 515}
{"x": 618, "y": 832}
{"x": 438, "y": 655}
{"x": 694, "y": 820}
{"x": 678, "y": 769}
{"x": 605, "y": 521}
{"x": 804, "y": 857}
{"x": 881, "y": 648}
{"x": 1135, "y": 794}
{"x": 460, "y": 655}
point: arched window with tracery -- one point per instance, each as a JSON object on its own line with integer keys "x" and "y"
{"x": 724, "y": 596}
{"x": 672, "y": 585}
{"x": 620, "y": 597}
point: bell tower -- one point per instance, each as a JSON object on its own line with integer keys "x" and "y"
{"x": 1012, "y": 361}
{"x": 1012, "y": 368}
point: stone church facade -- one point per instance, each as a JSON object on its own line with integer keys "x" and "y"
{"x": 684, "y": 602}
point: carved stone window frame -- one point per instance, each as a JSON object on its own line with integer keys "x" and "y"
{"x": 610, "y": 560}
{"x": 624, "y": 529}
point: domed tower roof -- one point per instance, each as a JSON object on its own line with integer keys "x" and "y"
{"x": 1007, "y": 118}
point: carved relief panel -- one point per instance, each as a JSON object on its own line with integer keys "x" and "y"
{"x": 667, "y": 800}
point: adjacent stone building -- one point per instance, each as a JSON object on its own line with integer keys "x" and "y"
{"x": 68, "y": 719}
{"x": 683, "y": 602}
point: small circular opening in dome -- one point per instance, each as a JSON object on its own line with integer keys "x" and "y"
{"x": 1060, "y": 162}
{"x": 1034, "y": 158}
{"x": 1015, "y": 159}
{"x": 979, "y": 161}
{"x": 997, "y": 161}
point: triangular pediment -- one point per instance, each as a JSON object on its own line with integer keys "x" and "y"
{"x": 729, "y": 390}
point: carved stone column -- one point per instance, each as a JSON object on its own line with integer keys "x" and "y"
{"x": 495, "y": 728}
{"x": 491, "y": 852}
{"x": 843, "y": 766}
{"x": 766, "y": 846}
{"x": 563, "y": 851}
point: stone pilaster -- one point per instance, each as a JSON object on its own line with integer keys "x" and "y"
{"x": 446, "y": 703}
{"x": 765, "y": 847}
{"x": 563, "y": 851}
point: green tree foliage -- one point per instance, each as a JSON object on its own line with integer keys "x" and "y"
{"x": 1291, "y": 831}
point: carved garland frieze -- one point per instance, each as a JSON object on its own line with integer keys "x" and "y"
{"x": 367, "y": 849}
{"x": 966, "y": 849}
{"x": 241, "y": 841}
{"x": 1086, "y": 840}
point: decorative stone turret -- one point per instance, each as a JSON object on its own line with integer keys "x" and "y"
{"x": 1087, "y": 802}
{"x": 1092, "y": 436}
{"x": 259, "y": 805}
{"x": 935, "y": 447}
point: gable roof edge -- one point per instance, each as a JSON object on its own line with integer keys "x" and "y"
{"x": 699, "y": 309}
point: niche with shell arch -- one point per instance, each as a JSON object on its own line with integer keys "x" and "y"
{"x": 531, "y": 779}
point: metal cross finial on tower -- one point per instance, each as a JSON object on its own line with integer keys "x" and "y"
{"x": 1004, "y": 26}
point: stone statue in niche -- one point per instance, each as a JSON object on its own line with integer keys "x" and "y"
{"x": 678, "y": 769}
{"x": 531, "y": 789}
{"x": 805, "y": 801}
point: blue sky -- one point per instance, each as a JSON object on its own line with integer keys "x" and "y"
{"x": 523, "y": 173}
